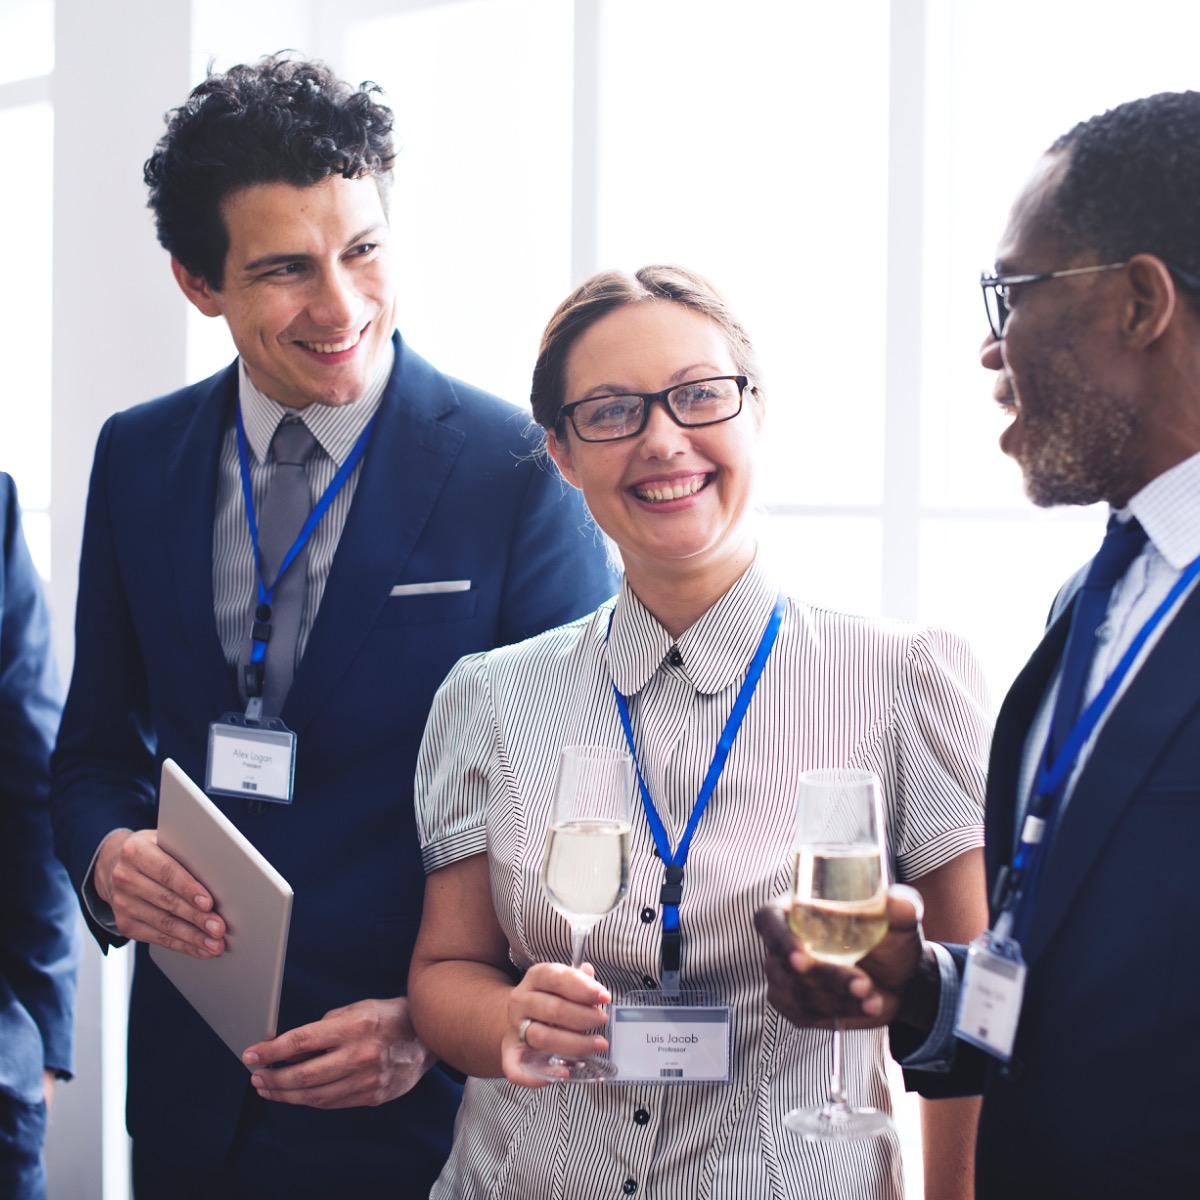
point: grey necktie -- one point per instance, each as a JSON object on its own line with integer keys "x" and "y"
{"x": 285, "y": 508}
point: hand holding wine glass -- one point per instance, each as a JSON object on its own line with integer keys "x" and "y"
{"x": 839, "y": 911}
{"x": 585, "y": 870}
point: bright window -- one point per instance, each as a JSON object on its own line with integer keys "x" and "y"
{"x": 716, "y": 152}
{"x": 481, "y": 90}
{"x": 27, "y": 41}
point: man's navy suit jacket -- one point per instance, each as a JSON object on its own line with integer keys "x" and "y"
{"x": 1102, "y": 1098}
{"x": 39, "y": 945}
{"x": 449, "y": 491}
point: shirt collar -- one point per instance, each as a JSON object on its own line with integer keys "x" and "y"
{"x": 716, "y": 650}
{"x": 1167, "y": 508}
{"x": 336, "y": 429}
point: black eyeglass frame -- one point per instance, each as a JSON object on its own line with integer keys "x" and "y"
{"x": 994, "y": 283}
{"x": 567, "y": 412}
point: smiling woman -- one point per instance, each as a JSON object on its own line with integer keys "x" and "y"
{"x": 675, "y": 498}
{"x": 700, "y": 650}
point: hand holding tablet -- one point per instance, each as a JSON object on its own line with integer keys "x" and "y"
{"x": 237, "y": 992}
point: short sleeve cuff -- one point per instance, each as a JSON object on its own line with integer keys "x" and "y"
{"x": 454, "y": 848}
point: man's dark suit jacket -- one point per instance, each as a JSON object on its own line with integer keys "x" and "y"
{"x": 1102, "y": 1098}
{"x": 449, "y": 491}
{"x": 39, "y": 944}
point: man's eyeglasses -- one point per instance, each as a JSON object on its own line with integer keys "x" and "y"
{"x": 995, "y": 290}
{"x": 697, "y": 402}
{"x": 995, "y": 287}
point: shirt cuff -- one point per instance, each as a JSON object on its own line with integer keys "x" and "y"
{"x": 98, "y": 910}
{"x": 936, "y": 1052}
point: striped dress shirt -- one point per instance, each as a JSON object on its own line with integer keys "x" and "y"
{"x": 235, "y": 591}
{"x": 1166, "y": 508}
{"x": 837, "y": 690}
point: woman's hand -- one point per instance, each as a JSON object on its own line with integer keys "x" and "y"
{"x": 467, "y": 1006}
{"x": 555, "y": 1007}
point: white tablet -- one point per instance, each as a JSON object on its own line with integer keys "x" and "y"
{"x": 237, "y": 992}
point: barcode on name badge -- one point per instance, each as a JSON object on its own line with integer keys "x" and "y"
{"x": 670, "y": 1073}
{"x": 248, "y": 785}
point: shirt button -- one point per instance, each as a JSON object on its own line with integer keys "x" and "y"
{"x": 1013, "y": 1071}
{"x": 675, "y": 658}
{"x": 641, "y": 1117}
{"x": 648, "y": 915}
{"x": 629, "y": 1187}
{"x": 650, "y": 981}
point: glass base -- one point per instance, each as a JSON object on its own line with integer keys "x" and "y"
{"x": 837, "y": 1122}
{"x": 558, "y": 1069}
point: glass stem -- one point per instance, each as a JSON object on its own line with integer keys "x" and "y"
{"x": 579, "y": 936}
{"x": 837, "y": 1094}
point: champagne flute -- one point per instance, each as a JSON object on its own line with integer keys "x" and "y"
{"x": 839, "y": 911}
{"x": 585, "y": 870}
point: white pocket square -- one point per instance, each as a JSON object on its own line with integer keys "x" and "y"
{"x": 428, "y": 589}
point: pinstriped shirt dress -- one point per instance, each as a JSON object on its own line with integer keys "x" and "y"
{"x": 838, "y": 690}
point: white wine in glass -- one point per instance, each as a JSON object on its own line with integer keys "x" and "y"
{"x": 838, "y": 901}
{"x": 839, "y": 911}
{"x": 585, "y": 870}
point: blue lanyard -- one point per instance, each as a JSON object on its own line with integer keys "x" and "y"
{"x": 672, "y": 889}
{"x": 1015, "y": 885}
{"x": 261, "y": 629}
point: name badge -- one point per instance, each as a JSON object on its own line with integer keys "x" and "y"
{"x": 254, "y": 761}
{"x": 992, "y": 990}
{"x": 670, "y": 1039}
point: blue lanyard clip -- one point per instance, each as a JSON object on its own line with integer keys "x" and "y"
{"x": 672, "y": 889}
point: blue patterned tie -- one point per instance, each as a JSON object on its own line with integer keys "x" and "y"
{"x": 1122, "y": 544}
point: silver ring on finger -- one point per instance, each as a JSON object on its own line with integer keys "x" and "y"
{"x": 523, "y": 1029}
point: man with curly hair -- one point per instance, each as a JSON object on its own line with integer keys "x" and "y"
{"x": 435, "y": 531}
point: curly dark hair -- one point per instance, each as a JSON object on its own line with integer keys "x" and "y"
{"x": 609, "y": 290}
{"x": 1132, "y": 183}
{"x": 280, "y": 120}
